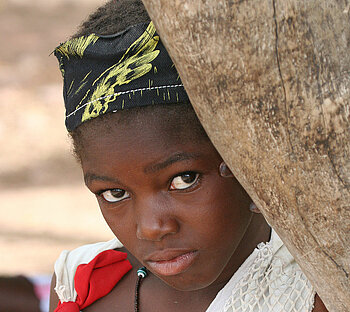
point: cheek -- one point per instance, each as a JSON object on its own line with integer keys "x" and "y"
{"x": 222, "y": 218}
{"x": 224, "y": 204}
{"x": 220, "y": 222}
{"x": 118, "y": 220}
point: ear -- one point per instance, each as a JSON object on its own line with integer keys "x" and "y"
{"x": 225, "y": 171}
{"x": 253, "y": 208}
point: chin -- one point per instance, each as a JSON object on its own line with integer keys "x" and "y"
{"x": 182, "y": 284}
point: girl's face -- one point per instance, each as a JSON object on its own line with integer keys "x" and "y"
{"x": 164, "y": 199}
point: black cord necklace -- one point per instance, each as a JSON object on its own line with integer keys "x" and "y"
{"x": 141, "y": 273}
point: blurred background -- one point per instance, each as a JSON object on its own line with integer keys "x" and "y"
{"x": 44, "y": 205}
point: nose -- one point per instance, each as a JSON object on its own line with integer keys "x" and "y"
{"x": 154, "y": 220}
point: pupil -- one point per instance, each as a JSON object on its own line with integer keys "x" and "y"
{"x": 117, "y": 193}
{"x": 188, "y": 177}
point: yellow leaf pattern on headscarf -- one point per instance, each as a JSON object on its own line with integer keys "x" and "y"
{"x": 134, "y": 63}
{"x": 76, "y": 46}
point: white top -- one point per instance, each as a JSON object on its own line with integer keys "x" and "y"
{"x": 268, "y": 281}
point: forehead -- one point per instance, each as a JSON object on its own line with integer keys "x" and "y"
{"x": 159, "y": 127}
{"x": 141, "y": 138}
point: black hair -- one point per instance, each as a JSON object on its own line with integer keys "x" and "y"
{"x": 113, "y": 17}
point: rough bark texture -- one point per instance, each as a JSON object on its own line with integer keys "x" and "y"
{"x": 270, "y": 82}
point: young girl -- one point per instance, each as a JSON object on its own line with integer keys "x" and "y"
{"x": 189, "y": 237}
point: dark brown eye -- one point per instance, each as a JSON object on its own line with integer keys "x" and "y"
{"x": 115, "y": 195}
{"x": 184, "y": 181}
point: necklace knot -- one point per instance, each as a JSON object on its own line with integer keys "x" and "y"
{"x": 142, "y": 272}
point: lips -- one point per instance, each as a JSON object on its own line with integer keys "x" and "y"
{"x": 171, "y": 261}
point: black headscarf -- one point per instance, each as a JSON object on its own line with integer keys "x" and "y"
{"x": 105, "y": 74}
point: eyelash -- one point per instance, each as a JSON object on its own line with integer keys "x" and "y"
{"x": 196, "y": 178}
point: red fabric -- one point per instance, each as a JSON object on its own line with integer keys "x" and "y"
{"x": 67, "y": 306}
{"x": 96, "y": 279}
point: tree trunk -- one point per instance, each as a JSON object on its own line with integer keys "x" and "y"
{"x": 270, "y": 82}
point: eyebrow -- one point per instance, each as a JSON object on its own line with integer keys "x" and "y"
{"x": 169, "y": 161}
{"x": 88, "y": 177}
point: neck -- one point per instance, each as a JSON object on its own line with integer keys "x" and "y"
{"x": 257, "y": 231}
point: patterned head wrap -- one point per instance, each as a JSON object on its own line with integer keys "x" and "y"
{"x": 105, "y": 74}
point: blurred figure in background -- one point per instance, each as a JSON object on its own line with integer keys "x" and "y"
{"x": 17, "y": 294}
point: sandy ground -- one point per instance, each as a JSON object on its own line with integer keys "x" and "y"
{"x": 37, "y": 224}
{"x": 44, "y": 206}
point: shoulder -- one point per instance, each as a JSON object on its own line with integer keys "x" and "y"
{"x": 53, "y": 296}
{"x": 68, "y": 262}
{"x": 75, "y": 270}
{"x": 71, "y": 259}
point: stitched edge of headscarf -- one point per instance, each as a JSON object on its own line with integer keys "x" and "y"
{"x": 121, "y": 93}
